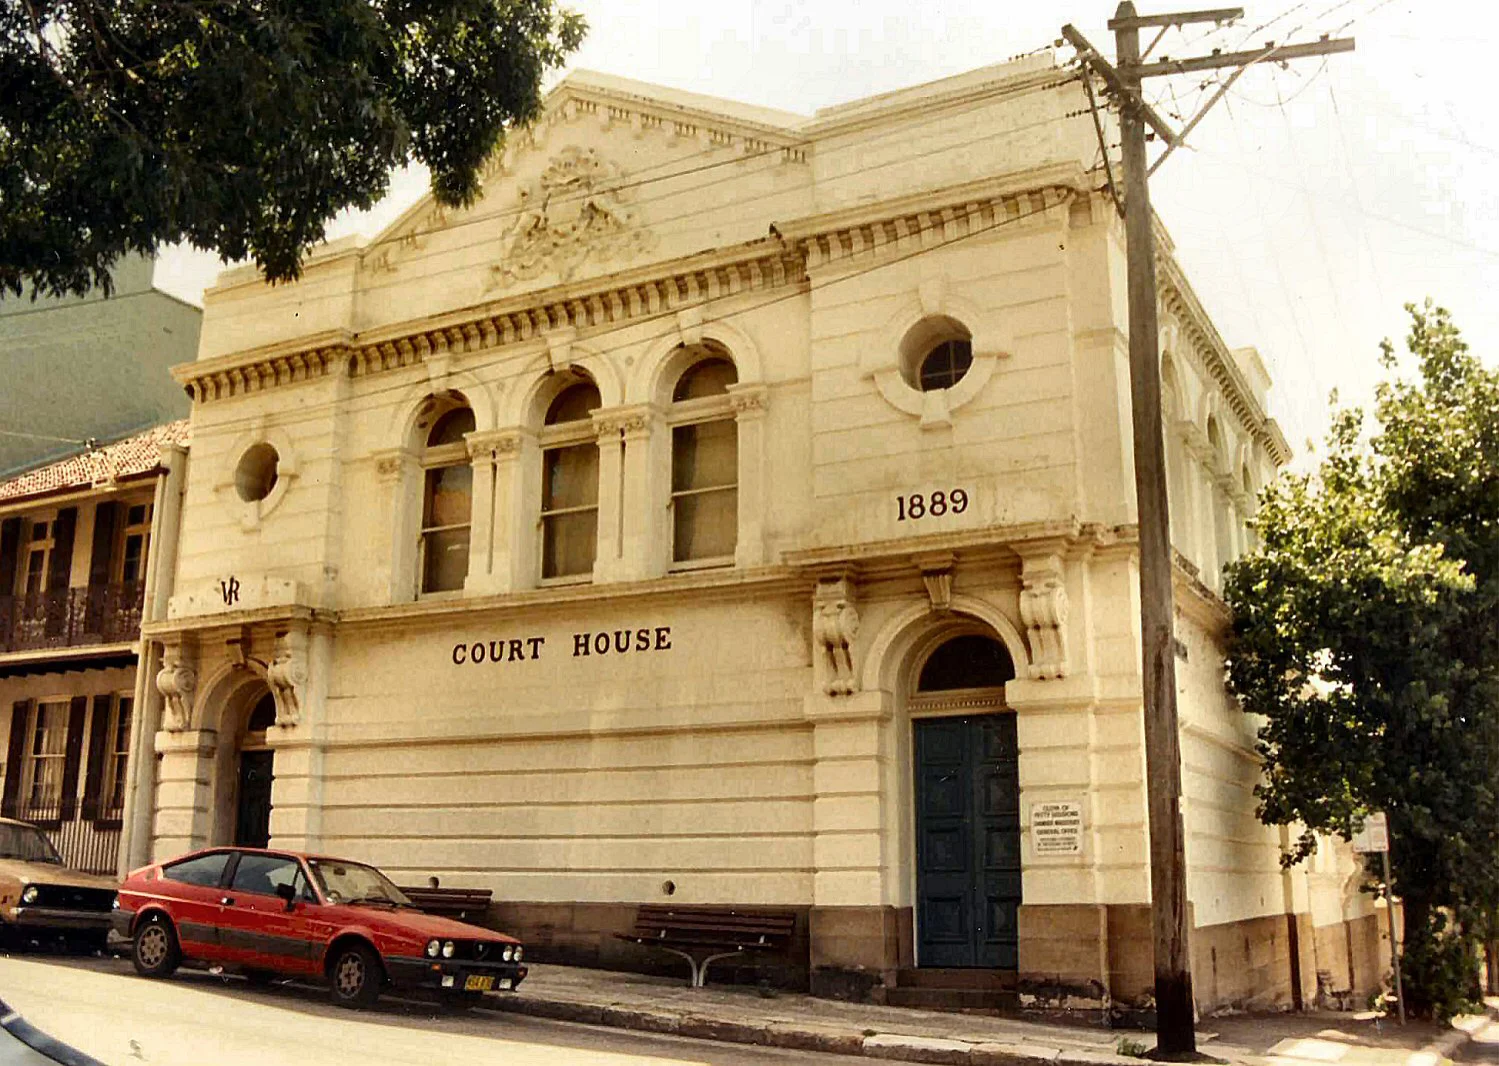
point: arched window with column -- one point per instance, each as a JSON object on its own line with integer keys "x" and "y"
{"x": 704, "y": 463}
{"x": 447, "y": 498}
{"x": 570, "y": 483}
{"x": 1222, "y": 507}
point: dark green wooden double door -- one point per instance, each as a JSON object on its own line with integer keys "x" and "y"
{"x": 967, "y": 841}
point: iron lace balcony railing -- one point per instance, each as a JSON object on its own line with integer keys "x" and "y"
{"x": 75, "y": 617}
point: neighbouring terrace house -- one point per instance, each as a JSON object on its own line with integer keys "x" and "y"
{"x": 79, "y": 541}
{"x": 736, "y": 507}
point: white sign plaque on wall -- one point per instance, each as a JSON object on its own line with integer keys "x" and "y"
{"x": 1375, "y": 836}
{"x": 1057, "y": 827}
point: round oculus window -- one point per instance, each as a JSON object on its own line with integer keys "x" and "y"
{"x": 255, "y": 476}
{"x": 945, "y": 365}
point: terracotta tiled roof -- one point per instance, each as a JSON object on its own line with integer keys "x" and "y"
{"x": 139, "y": 454}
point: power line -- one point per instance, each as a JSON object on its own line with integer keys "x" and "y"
{"x": 361, "y": 396}
{"x": 373, "y": 288}
{"x": 43, "y": 436}
{"x": 742, "y": 157}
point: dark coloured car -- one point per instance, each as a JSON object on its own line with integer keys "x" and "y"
{"x": 271, "y": 913}
{"x": 41, "y": 899}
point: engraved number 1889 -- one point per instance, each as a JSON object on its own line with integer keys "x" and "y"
{"x": 918, "y": 505}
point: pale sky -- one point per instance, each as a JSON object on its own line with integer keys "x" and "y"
{"x": 1313, "y": 202}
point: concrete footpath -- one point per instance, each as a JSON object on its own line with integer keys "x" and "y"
{"x": 790, "y": 1020}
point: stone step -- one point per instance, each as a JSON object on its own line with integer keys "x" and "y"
{"x": 936, "y": 977}
{"x": 953, "y": 999}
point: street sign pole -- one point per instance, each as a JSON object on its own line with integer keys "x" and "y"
{"x": 1375, "y": 837}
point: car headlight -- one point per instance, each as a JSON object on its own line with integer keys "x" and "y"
{"x": 518, "y": 951}
{"x": 432, "y": 949}
{"x": 29, "y": 894}
{"x": 508, "y": 954}
{"x": 447, "y": 950}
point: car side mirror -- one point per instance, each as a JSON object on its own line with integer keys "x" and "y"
{"x": 289, "y": 894}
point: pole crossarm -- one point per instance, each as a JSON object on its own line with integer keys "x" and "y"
{"x": 1219, "y": 60}
{"x": 1180, "y": 18}
{"x": 1095, "y": 59}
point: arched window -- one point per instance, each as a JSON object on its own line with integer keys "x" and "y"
{"x": 447, "y": 502}
{"x": 1223, "y": 536}
{"x": 936, "y": 353}
{"x": 969, "y": 661}
{"x": 570, "y": 483}
{"x": 704, "y": 464}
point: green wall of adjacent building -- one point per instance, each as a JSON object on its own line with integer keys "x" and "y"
{"x": 91, "y": 367}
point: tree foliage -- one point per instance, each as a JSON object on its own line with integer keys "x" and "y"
{"x": 1366, "y": 635}
{"x": 244, "y": 126}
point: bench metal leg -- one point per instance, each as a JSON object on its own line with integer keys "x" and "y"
{"x": 696, "y": 980}
{"x": 702, "y": 972}
{"x": 699, "y": 969}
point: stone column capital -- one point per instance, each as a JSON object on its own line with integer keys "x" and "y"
{"x": 632, "y": 420}
{"x": 391, "y": 463}
{"x": 496, "y": 443}
{"x": 748, "y": 400}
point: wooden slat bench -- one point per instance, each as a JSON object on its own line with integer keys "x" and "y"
{"x": 449, "y": 902}
{"x": 703, "y": 935}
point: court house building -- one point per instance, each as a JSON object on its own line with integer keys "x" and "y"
{"x": 736, "y": 507}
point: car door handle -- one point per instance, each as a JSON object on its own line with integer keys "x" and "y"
{"x": 226, "y": 901}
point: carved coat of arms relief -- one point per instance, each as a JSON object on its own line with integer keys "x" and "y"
{"x": 575, "y": 211}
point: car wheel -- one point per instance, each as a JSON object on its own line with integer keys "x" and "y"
{"x": 355, "y": 975}
{"x": 154, "y": 950}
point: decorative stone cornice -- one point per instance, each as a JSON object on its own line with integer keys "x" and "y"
{"x": 579, "y": 100}
{"x": 1214, "y": 357}
{"x": 237, "y": 375}
{"x": 582, "y": 311}
{"x": 646, "y": 293}
{"x": 926, "y": 221}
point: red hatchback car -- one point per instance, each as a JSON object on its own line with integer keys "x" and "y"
{"x": 281, "y": 913}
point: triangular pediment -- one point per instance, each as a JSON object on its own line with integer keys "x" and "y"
{"x": 609, "y": 178}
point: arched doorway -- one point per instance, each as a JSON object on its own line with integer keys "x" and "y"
{"x": 967, "y": 803}
{"x": 252, "y": 804}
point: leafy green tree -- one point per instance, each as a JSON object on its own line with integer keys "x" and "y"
{"x": 1366, "y": 635}
{"x": 244, "y": 126}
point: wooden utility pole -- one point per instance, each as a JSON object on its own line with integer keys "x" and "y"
{"x": 1176, "y": 1036}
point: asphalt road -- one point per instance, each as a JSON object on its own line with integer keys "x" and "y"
{"x": 102, "y": 1008}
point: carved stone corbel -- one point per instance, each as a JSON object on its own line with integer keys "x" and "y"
{"x": 835, "y": 624}
{"x": 287, "y": 675}
{"x": 1043, "y": 609}
{"x": 177, "y": 681}
{"x": 690, "y": 326}
{"x": 936, "y": 574}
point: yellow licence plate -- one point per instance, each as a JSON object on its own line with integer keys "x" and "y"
{"x": 478, "y": 982}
